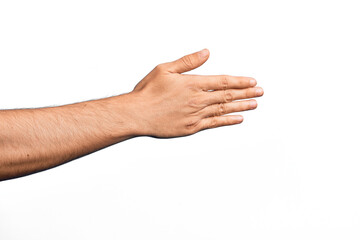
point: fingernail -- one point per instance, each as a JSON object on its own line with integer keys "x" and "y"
{"x": 252, "y": 82}
{"x": 253, "y": 104}
{"x": 238, "y": 118}
{"x": 204, "y": 53}
{"x": 259, "y": 91}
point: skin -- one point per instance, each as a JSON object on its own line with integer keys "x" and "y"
{"x": 166, "y": 103}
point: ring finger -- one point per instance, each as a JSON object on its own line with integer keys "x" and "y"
{"x": 225, "y": 108}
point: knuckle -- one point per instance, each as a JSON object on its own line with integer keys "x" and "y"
{"x": 187, "y": 61}
{"x": 160, "y": 67}
{"x": 221, "y": 109}
{"x": 228, "y": 121}
{"x": 224, "y": 82}
{"x": 192, "y": 125}
{"x": 228, "y": 96}
{"x": 249, "y": 93}
{"x": 213, "y": 122}
{"x": 189, "y": 84}
{"x": 194, "y": 102}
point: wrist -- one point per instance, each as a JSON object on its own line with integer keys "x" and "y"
{"x": 126, "y": 116}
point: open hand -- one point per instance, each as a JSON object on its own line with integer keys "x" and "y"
{"x": 171, "y": 104}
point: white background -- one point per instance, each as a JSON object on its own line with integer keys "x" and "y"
{"x": 290, "y": 171}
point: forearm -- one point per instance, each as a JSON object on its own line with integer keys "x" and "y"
{"x": 32, "y": 140}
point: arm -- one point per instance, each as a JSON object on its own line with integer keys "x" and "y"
{"x": 165, "y": 103}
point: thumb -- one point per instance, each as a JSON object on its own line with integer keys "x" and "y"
{"x": 189, "y": 62}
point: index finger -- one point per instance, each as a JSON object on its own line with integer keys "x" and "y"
{"x": 222, "y": 82}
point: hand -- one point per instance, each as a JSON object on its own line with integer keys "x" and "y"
{"x": 171, "y": 104}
